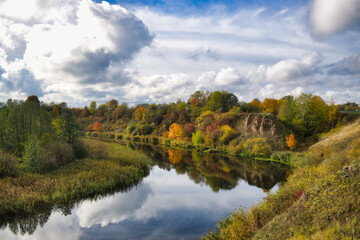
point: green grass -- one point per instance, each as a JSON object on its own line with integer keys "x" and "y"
{"x": 320, "y": 200}
{"x": 81, "y": 179}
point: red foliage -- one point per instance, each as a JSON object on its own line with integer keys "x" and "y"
{"x": 97, "y": 126}
{"x": 298, "y": 194}
{"x": 188, "y": 129}
{"x": 194, "y": 102}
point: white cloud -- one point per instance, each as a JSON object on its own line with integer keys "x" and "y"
{"x": 332, "y": 16}
{"x": 79, "y": 51}
{"x": 292, "y": 69}
{"x": 72, "y": 43}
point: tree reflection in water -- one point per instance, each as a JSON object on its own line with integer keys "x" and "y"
{"x": 218, "y": 171}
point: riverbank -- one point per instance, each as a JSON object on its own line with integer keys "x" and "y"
{"x": 279, "y": 157}
{"x": 320, "y": 200}
{"x": 111, "y": 168}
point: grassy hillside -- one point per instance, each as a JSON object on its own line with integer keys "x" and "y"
{"x": 320, "y": 200}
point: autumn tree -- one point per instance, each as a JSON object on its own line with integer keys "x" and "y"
{"x": 176, "y": 131}
{"x": 92, "y": 107}
{"x": 97, "y": 126}
{"x": 140, "y": 113}
{"x": 199, "y": 98}
{"x": 269, "y": 105}
{"x": 55, "y": 111}
{"x": 291, "y": 141}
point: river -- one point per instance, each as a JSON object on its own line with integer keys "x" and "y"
{"x": 184, "y": 196}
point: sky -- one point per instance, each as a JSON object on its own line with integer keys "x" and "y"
{"x": 139, "y": 51}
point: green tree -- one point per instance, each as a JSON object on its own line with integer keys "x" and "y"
{"x": 198, "y": 138}
{"x": 92, "y": 107}
{"x": 34, "y": 155}
{"x": 215, "y": 101}
{"x": 68, "y": 127}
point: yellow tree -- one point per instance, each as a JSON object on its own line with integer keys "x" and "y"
{"x": 333, "y": 113}
{"x": 176, "y": 131}
{"x": 269, "y": 105}
{"x": 55, "y": 111}
{"x": 291, "y": 141}
{"x": 139, "y": 114}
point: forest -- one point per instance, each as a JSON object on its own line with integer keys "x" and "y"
{"x": 43, "y": 137}
{"x": 215, "y": 120}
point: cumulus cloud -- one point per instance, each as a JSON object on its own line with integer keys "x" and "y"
{"x": 287, "y": 70}
{"x": 170, "y": 87}
{"x": 347, "y": 66}
{"x": 333, "y": 16}
{"x": 291, "y": 69}
{"x": 68, "y": 42}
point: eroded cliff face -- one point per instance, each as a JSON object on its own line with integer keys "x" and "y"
{"x": 259, "y": 125}
{"x": 252, "y": 125}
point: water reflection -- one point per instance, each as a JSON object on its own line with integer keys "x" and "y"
{"x": 166, "y": 205}
{"x": 219, "y": 171}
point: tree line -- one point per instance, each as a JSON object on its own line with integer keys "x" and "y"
{"x": 210, "y": 117}
{"x": 34, "y": 138}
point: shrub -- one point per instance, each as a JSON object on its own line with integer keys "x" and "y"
{"x": 9, "y": 165}
{"x": 130, "y": 129}
{"x": 58, "y": 154}
{"x": 34, "y": 155}
{"x": 198, "y": 138}
{"x": 257, "y": 146}
{"x": 235, "y": 146}
{"x": 81, "y": 150}
{"x": 188, "y": 129}
{"x": 226, "y": 134}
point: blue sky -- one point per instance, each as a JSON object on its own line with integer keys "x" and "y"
{"x": 158, "y": 51}
{"x": 203, "y": 7}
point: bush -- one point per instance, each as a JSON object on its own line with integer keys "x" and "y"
{"x": 198, "y": 138}
{"x": 81, "y": 150}
{"x": 63, "y": 152}
{"x": 9, "y": 165}
{"x": 257, "y": 146}
{"x": 235, "y": 146}
{"x": 34, "y": 155}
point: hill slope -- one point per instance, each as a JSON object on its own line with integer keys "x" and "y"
{"x": 320, "y": 200}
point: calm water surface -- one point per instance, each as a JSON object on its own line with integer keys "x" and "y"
{"x": 183, "y": 197}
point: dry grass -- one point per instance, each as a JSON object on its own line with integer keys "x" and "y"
{"x": 320, "y": 200}
{"x": 339, "y": 138}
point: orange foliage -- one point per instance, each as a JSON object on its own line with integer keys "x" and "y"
{"x": 291, "y": 141}
{"x": 174, "y": 156}
{"x": 257, "y": 104}
{"x": 269, "y": 105}
{"x": 97, "y": 126}
{"x": 139, "y": 114}
{"x": 176, "y": 131}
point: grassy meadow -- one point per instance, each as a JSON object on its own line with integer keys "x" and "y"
{"x": 109, "y": 168}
